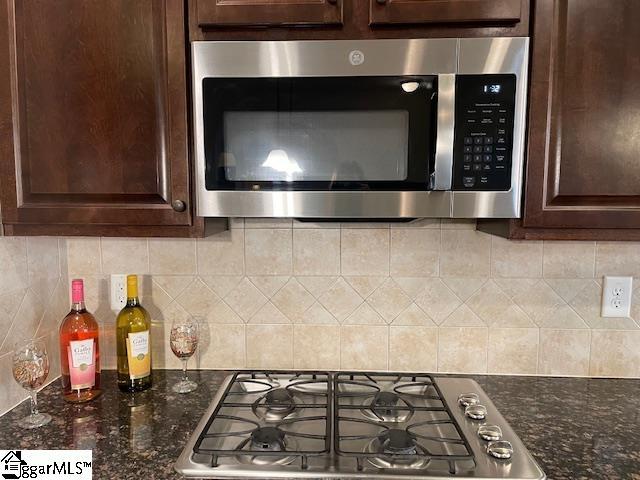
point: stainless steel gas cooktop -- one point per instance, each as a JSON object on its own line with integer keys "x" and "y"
{"x": 354, "y": 425}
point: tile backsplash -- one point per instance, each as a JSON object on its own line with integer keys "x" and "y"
{"x": 429, "y": 295}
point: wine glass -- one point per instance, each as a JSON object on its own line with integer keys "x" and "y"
{"x": 30, "y": 370}
{"x": 184, "y": 341}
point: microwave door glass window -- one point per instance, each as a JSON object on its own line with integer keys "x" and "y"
{"x": 316, "y": 146}
{"x": 334, "y": 133}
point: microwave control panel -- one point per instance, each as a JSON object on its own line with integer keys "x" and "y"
{"x": 483, "y": 141}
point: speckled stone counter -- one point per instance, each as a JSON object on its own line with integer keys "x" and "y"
{"x": 576, "y": 428}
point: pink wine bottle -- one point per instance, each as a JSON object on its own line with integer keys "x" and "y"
{"x": 79, "y": 350}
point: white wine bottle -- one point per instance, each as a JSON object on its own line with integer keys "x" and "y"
{"x": 133, "y": 335}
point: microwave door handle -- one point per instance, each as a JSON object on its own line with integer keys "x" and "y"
{"x": 443, "y": 168}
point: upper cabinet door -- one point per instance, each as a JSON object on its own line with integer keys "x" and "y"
{"x": 445, "y": 11}
{"x": 222, "y": 13}
{"x": 93, "y": 126}
{"x": 584, "y": 126}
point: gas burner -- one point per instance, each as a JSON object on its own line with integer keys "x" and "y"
{"x": 398, "y": 449}
{"x": 267, "y": 440}
{"x": 275, "y": 405}
{"x": 387, "y": 407}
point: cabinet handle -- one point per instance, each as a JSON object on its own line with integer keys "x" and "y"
{"x": 381, "y": 2}
{"x": 332, "y": 2}
{"x": 178, "y": 205}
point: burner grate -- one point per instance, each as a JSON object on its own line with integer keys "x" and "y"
{"x": 388, "y": 403}
{"x": 270, "y": 433}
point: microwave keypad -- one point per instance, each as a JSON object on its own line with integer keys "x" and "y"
{"x": 484, "y": 132}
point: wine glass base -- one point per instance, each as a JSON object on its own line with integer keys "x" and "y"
{"x": 185, "y": 386}
{"x": 35, "y": 421}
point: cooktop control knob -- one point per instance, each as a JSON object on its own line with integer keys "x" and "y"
{"x": 466, "y": 399}
{"x": 490, "y": 433}
{"x": 500, "y": 449}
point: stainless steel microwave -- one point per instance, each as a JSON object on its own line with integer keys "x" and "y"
{"x": 360, "y": 129}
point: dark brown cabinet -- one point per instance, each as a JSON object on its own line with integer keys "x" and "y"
{"x": 251, "y": 13}
{"x": 583, "y": 162}
{"x": 385, "y": 12}
{"x": 93, "y": 118}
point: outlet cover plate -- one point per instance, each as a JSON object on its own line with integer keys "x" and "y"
{"x": 118, "y": 292}
{"x": 616, "y": 296}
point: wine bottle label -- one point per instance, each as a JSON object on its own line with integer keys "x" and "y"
{"x": 138, "y": 354}
{"x": 82, "y": 365}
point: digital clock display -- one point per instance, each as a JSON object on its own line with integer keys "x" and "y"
{"x": 494, "y": 88}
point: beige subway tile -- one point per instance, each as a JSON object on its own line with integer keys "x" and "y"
{"x": 615, "y": 353}
{"x": 389, "y": 300}
{"x": 436, "y": 300}
{"x": 465, "y": 253}
{"x": 13, "y": 258}
{"x": 293, "y": 299}
{"x": 415, "y": 252}
{"x": 564, "y": 352}
{"x": 464, "y": 287}
{"x": 463, "y": 316}
{"x": 198, "y": 299}
{"x": 538, "y": 301}
{"x": 513, "y": 350}
{"x": 318, "y": 284}
{"x": 269, "y": 346}
{"x": 172, "y": 256}
{"x": 458, "y": 224}
{"x": 568, "y": 288}
{"x": 413, "y": 349}
{"x": 413, "y": 316}
{"x": 125, "y": 255}
{"x": 269, "y": 284}
{"x": 43, "y": 257}
{"x": 340, "y": 300}
{"x": 11, "y": 393}
{"x": 364, "y": 347}
{"x": 513, "y": 258}
{"x": 269, "y": 314}
{"x": 9, "y": 304}
{"x": 245, "y": 299}
{"x": 222, "y": 253}
{"x": 316, "y": 347}
{"x": 222, "y": 284}
{"x": 316, "y": 251}
{"x": 83, "y": 256}
{"x": 569, "y": 259}
{"x": 365, "y": 251}
{"x": 365, "y": 285}
{"x": 462, "y": 349}
{"x": 496, "y": 309}
{"x": 316, "y": 314}
{"x": 268, "y": 251}
{"x": 224, "y": 348}
{"x": 173, "y": 285}
{"x": 25, "y": 321}
{"x": 267, "y": 223}
{"x": 564, "y": 317}
{"x": 618, "y": 259}
{"x": 364, "y": 315}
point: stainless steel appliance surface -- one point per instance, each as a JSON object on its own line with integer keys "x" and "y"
{"x": 360, "y": 128}
{"x": 287, "y": 424}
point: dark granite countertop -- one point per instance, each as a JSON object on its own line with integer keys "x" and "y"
{"x": 576, "y": 428}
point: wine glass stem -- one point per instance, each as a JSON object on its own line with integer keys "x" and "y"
{"x": 184, "y": 369}
{"x": 34, "y": 403}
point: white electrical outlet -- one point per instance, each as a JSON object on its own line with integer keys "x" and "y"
{"x": 616, "y": 296}
{"x": 118, "y": 292}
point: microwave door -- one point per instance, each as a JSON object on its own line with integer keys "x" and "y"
{"x": 330, "y": 133}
